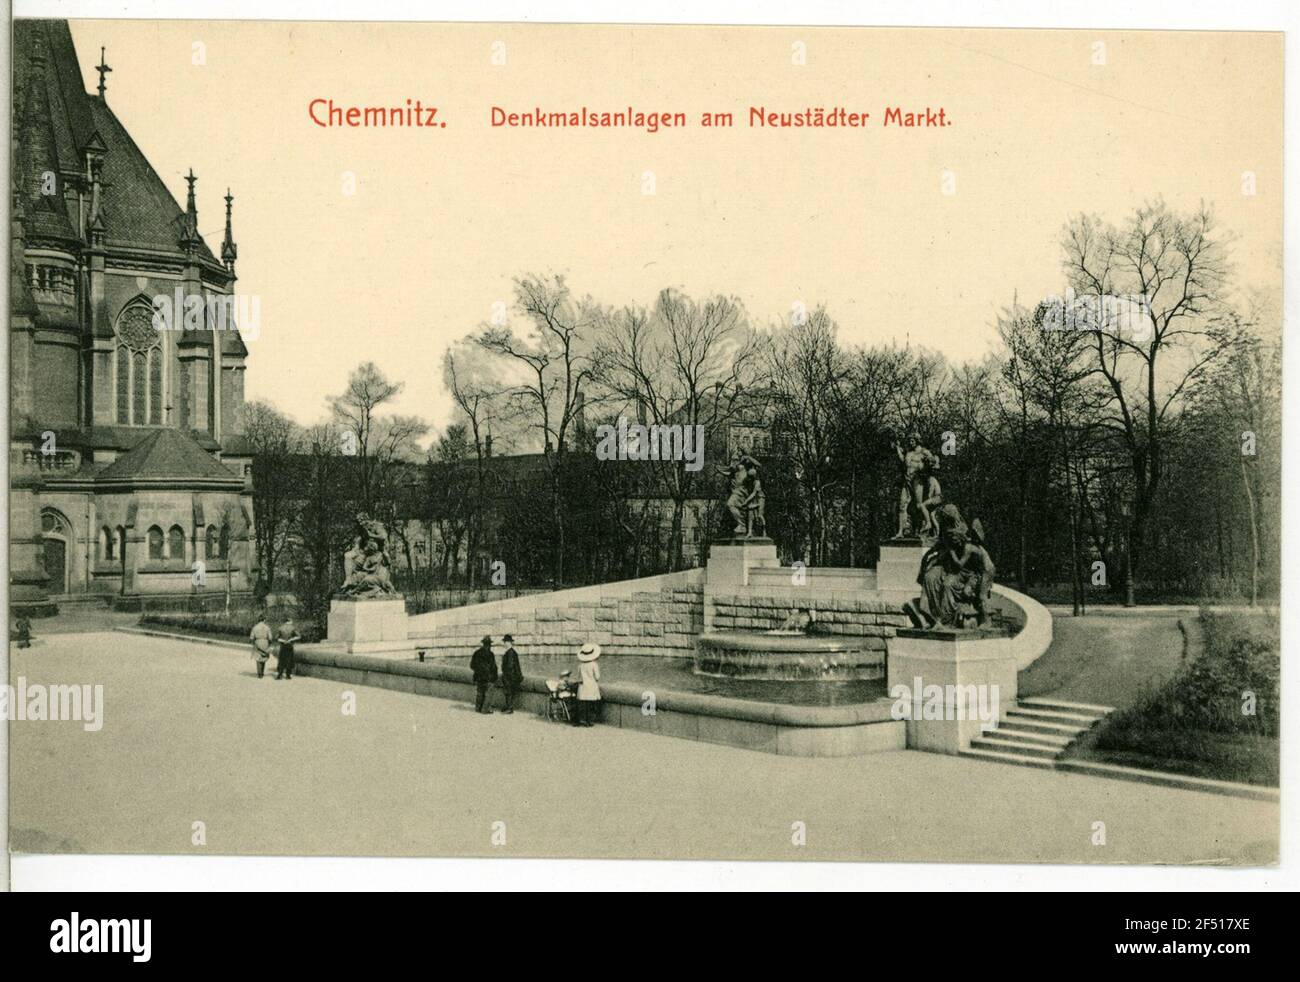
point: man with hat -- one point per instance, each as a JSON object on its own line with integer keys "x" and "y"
{"x": 484, "y": 666}
{"x": 512, "y": 676}
{"x": 589, "y": 689}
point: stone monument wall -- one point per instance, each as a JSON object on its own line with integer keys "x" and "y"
{"x": 876, "y": 620}
{"x": 655, "y": 615}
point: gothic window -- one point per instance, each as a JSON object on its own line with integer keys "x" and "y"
{"x": 138, "y": 394}
{"x": 155, "y": 386}
{"x": 123, "y": 384}
{"x": 106, "y": 543}
{"x": 210, "y": 545}
{"x": 155, "y": 543}
{"x": 175, "y": 543}
{"x": 121, "y": 543}
{"x": 223, "y": 543}
{"x": 139, "y": 367}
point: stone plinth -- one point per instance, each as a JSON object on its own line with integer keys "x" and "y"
{"x": 965, "y": 666}
{"x": 730, "y": 561}
{"x": 367, "y": 626}
{"x": 900, "y": 561}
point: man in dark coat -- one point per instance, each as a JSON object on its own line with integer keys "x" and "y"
{"x": 512, "y": 676}
{"x": 484, "y": 666}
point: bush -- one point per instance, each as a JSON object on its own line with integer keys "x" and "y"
{"x": 1202, "y": 721}
{"x": 237, "y": 625}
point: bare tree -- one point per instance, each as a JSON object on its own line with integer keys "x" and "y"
{"x": 553, "y": 365}
{"x": 275, "y": 441}
{"x": 478, "y": 396}
{"x": 684, "y": 363}
{"x": 1149, "y": 293}
{"x": 808, "y": 369}
{"x": 382, "y": 445}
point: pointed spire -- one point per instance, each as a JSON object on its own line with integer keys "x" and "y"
{"x": 103, "y": 70}
{"x": 229, "y": 251}
{"x": 190, "y": 239}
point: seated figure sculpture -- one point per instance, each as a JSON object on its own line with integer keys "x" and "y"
{"x": 365, "y": 565}
{"x": 955, "y": 572}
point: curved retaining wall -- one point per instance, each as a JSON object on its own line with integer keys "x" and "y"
{"x": 1035, "y": 635}
{"x": 798, "y": 731}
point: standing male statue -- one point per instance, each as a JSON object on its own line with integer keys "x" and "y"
{"x": 920, "y": 491}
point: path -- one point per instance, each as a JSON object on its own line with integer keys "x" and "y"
{"x": 271, "y": 767}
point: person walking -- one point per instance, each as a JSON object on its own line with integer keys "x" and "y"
{"x": 589, "y": 688}
{"x": 284, "y": 661}
{"x": 512, "y": 676}
{"x": 260, "y": 636}
{"x": 484, "y": 666}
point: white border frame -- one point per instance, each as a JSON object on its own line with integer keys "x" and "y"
{"x": 118, "y": 873}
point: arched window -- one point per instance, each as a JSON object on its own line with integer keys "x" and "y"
{"x": 107, "y": 541}
{"x": 155, "y": 387}
{"x": 155, "y": 543}
{"x": 176, "y": 543}
{"x": 139, "y": 367}
{"x": 224, "y": 542}
{"x": 210, "y": 546}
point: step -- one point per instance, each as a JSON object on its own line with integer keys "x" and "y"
{"x": 1010, "y": 745}
{"x": 1045, "y": 702}
{"x": 999, "y": 757}
{"x": 1052, "y": 716}
{"x": 1070, "y": 730}
{"x": 1015, "y": 731}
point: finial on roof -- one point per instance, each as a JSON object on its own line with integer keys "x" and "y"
{"x": 190, "y": 239}
{"x": 103, "y": 70}
{"x": 229, "y": 251}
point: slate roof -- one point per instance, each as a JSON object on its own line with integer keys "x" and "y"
{"x": 167, "y": 455}
{"x": 57, "y": 121}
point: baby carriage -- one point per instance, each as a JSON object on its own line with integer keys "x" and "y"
{"x": 560, "y": 708}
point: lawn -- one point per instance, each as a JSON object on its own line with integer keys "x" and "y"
{"x": 1217, "y": 717}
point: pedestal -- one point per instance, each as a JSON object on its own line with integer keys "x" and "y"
{"x": 367, "y": 626}
{"x": 730, "y": 561}
{"x": 966, "y": 678}
{"x": 900, "y": 561}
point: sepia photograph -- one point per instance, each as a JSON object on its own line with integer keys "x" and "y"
{"x": 871, "y": 435}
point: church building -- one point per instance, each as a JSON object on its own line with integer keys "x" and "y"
{"x": 128, "y": 475}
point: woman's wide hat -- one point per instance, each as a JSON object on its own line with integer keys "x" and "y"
{"x": 590, "y": 652}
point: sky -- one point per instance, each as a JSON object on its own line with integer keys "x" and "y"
{"x": 910, "y": 235}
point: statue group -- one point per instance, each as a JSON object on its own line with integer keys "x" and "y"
{"x": 956, "y": 571}
{"x": 366, "y": 565}
{"x": 746, "y": 500}
{"x": 920, "y": 493}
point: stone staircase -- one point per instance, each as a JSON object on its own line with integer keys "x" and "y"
{"x": 1036, "y": 731}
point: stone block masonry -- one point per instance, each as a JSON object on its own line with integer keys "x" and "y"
{"x": 835, "y": 614}
{"x": 655, "y": 615}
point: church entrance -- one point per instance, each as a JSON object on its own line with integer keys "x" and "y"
{"x": 56, "y": 564}
{"x": 55, "y": 534}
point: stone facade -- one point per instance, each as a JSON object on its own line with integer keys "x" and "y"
{"x": 875, "y": 620}
{"x": 657, "y": 615}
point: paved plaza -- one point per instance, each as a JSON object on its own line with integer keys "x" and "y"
{"x": 191, "y": 735}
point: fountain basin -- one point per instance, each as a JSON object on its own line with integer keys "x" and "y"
{"x": 789, "y": 656}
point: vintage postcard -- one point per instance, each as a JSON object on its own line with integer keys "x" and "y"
{"x": 644, "y": 442}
